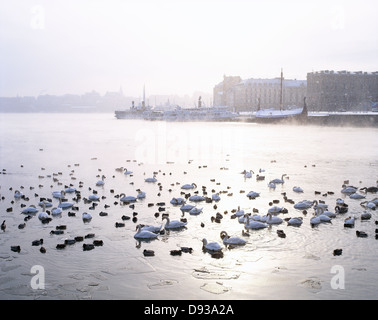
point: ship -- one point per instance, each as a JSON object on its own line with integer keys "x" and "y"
{"x": 134, "y": 112}
{"x": 374, "y": 106}
{"x": 272, "y": 115}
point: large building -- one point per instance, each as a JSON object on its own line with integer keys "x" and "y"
{"x": 341, "y": 90}
{"x": 248, "y": 95}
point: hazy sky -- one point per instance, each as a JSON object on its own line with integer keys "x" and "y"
{"x": 177, "y": 46}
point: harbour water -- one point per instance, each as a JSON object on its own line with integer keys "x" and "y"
{"x": 42, "y": 153}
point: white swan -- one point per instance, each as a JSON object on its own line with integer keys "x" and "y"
{"x": 43, "y": 215}
{"x": 127, "y": 172}
{"x": 56, "y": 211}
{"x": 275, "y": 209}
{"x": 296, "y": 221}
{"x": 195, "y": 210}
{"x": 141, "y": 194}
{"x": 279, "y": 180}
{"x": 272, "y": 185}
{"x": 365, "y": 215}
{"x": 329, "y": 214}
{"x": 349, "y": 222}
{"x": 144, "y": 234}
{"x": 45, "y": 203}
{"x": 125, "y": 198}
{"x": 94, "y": 197}
{"x": 177, "y": 201}
{"x": 239, "y": 213}
{"x": 319, "y": 217}
{"x": 211, "y": 246}
{"x": 186, "y": 207}
{"x": 253, "y": 224}
{"x": 248, "y": 174}
{"x": 153, "y": 179}
{"x": 297, "y": 189}
{"x": 31, "y": 209}
{"x": 215, "y": 197}
{"x": 253, "y": 194}
{"x": 101, "y": 182}
{"x": 153, "y": 229}
{"x": 273, "y": 219}
{"x": 189, "y": 186}
{"x": 196, "y": 198}
{"x": 349, "y": 189}
{"x": 227, "y": 240}
{"x": 319, "y": 205}
{"x": 174, "y": 224}
{"x": 64, "y": 204}
{"x": 305, "y": 204}
{"x": 357, "y": 196}
{"x": 58, "y": 194}
{"x": 69, "y": 190}
{"x": 18, "y": 194}
{"x": 86, "y": 217}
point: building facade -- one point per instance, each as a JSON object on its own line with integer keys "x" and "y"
{"x": 248, "y": 95}
{"x": 341, "y": 90}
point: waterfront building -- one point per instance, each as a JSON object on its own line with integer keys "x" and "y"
{"x": 341, "y": 90}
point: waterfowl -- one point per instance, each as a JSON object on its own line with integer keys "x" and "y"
{"x": 125, "y": 198}
{"x": 88, "y": 246}
{"x": 196, "y": 198}
{"x": 368, "y": 205}
{"x": 195, "y": 210}
{"x": 349, "y": 222}
{"x": 189, "y": 186}
{"x": 65, "y": 204}
{"x": 248, "y": 174}
{"x": 370, "y": 189}
{"x": 87, "y": 217}
{"x": 227, "y": 240}
{"x": 94, "y": 197}
{"x": 340, "y": 210}
{"x": 348, "y": 189}
{"x": 319, "y": 205}
{"x": 186, "y": 207}
{"x": 3, "y": 226}
{"x": 276, "y": 181}
{"x": 175, "y": 224}
{"x": 154, "y": 229}
{"x": 211, "y": 246}
{"x": 305, "y": 204}
{"x": 16, "y": 249}
{"x": 337, "y": 252}
{"x": 144, "y": 234}
{"x": 296, "y": 221}
{"x": 275, "y": 209}
{"x": 56, "y": 211}
{"x": 271, "y": 185}
{"x": 148, "y": 253}
{"x": 239, "y": 212}
{"x": 361, "y": 234}
{"x": 281, "y": 234}
{"x": 43, "y": 215}
{"x": 101, "y": 182}
{"x": 126, "y": 172}
{"x": 153, "y": 179}
{"x": 297, "y": 189}
{"x": 18, "y": 194}
{"x": 37, "y": 242}
{"x": 273, "y": 219}
{"x": 141, "y": 194}
{"x": 253, "y": 194}
{"x": 30, "y": 210}
{"x": 253, "y": 224}
{"x": 365, "y": 215}
{"x": 58, "y": 194}
{"x": 177, "y": 201}
{"x": 357, "y": 196}
{"x": 215, "y": 197}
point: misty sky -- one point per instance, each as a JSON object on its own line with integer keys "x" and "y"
{"x": 177, "y": 46}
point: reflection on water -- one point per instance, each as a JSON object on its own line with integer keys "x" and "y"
{"x": 42, "y": 153}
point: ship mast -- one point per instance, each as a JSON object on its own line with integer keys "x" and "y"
{"x": 281, "y": 97}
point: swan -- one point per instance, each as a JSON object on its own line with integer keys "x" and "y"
{"x": 141, "y": 194}
{"x": 227, "y": 240}
{"x": 175, "y": 224}
{"x": 86, "y": 217}
{"x": 18, "y": 194}
{"x": 278, "y": 180}
{"x": 150, "y": 228}
{"x": 357, "y": 196}
{"x": 189, "y": 186}
{"x": 31, "y": 209}
{"x": 339, "y": 201}
{"x": 211, "y": 246}
{"x": 349, "y": 222}
{"x": 215, "y": 197}
{"x": 125, "y": 198}
{"x": 297, "y": 189}
{"x": 196, "y": 198}
{"x": 370, "y": 189}
{"x": 239, "y": 213}
{"x": 127, "y": 172}
{"x": 275, "y": 209}
{"x": 319, "y": 205}
{"x": 58, "y": 194}
{"x": 177, "y": 201}
{"x": 186, "y": 207}
{"x": 340, "y": 210}
{"x": 349, "y": 189}
{"x": 368, "y": 205}
{"x": 302, "y": 205}
{"x": 94, "y": 197}
{"x": 319, "y": 216}
{"x": 43, "y": 215}
{"x": 329, "y": 214}
{"x": 254, "y": 224}
{"x": 195, "y": 210}
{"x": 248, "y": 174}
{"x": 64, "y": 204}
{"x": 69, "y": 190}
{"x": 56, "y": 211}
{"x": 272, "y": 185}
{"x": 144, "y": 234}
{"x": 273, "y": 219}
{"x": 297, "y": 221}
{"x": 253, "y": 194}
{"x": 45, "y": 203}
{"x": 153, "y": 179}
{"x": 101, "y": 182}
{"x": 365, "y": 215}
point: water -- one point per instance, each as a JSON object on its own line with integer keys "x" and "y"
{"x": 78, "y": 148}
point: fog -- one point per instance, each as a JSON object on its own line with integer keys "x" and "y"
{"x": 176, "y": 47}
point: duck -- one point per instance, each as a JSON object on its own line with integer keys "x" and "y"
{"x": 37, "y": 242}
{"x": 227, "y": 240}
{"x": 369, "y": 189}
{"x": 153, "y": 179}
{"x": 281, "y": 233}
{"x": 253, "y": 224}
{"x": 3, "y": 226}
{"x": 296, "y": 221}
{"x": 189, "y": 186}
{"x": 101, "y": 182}
{"x": 365, "y": 215}
{"x": 87, "y": 217}
{"x": 349, "y": 222}
{"x": 177, "y": 201}
{"x": 279, "y": 181}
{"x": 175, "y": 224}
{"x": 211, "y": 246}
{"x": 361, "y": 234}
{"x": 144, "y": 234}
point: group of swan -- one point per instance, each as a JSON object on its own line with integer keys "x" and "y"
{"x": 151, "y": 232}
